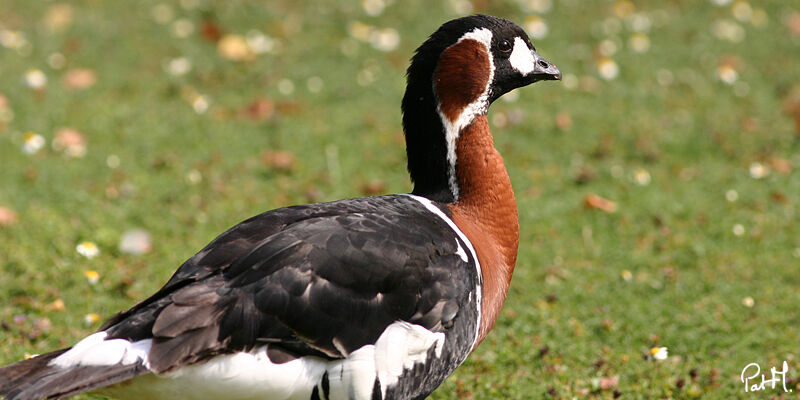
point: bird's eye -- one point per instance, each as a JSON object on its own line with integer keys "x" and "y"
{"x": 504, "y": 46}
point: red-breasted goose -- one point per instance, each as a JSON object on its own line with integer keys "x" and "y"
{"x": 368, "y": 298}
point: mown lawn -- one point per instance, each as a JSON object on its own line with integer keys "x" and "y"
{"x": 197, "y": 114}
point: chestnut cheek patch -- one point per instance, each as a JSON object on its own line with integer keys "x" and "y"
{"x": 461, "y": 77}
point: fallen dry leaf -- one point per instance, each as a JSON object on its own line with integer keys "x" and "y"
{"x": 779, "y": 197}
{"x": 609, "y": 383}
{"x": 57, "y": 305}
{"x": 781, "y": 165}
{"x": 70, "y": 141}
{"x": 793, "y": 22}
{"x": 79, "y": 78}
{"x": 259, "y": 110}
{"x": 210, "y": 31}
{"x": 279, "y": 160}
{"x": 563, "y": 121}
{"x": 791, "y": 106}
{"x": 594, "y": 201}
{"x": 373, "y": 187}
{"x": 8, "y": 216}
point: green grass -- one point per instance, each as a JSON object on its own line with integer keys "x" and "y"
{"x": 695, "y": 135}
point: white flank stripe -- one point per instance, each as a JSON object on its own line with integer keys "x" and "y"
{"x": 479, "y": 289}
{"x": 95, "y": 350}
{"x": 478, "y": 107}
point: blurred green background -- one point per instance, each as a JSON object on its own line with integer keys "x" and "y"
{"x": 657, "y": 183}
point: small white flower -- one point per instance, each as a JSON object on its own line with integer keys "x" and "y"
{"x": 641, "y": 177}
{"x": 87, "y": 249}
{"x": 112, "y": 161}
{"x": 742, "y": 11}
{"x": 373, "y": 7}
{"x": 260, "y": 43}
{"x": 200, "y": 104}
{"x": 32, "y": 142}
{"x": 639, "y": 42}
{"x": 182, "y": 28}
{"x": 748, "y": 302}
{"x": 136, "y": 242}
{"x": 738, "y": 230}
{"x": 92, "y": 276}
{"x": 385, "y": 39}
{"x": 56, "y": 60}
{"x": 35, "y": 78}
{"x": 727, "y": 74}
{"x": 194, "y": 177}
{"x": 570, "y": 81}
{"x": 731, "y": 195}
{"x": 286, "y": 86}
{"x": 607, "y": 48}
{"x": 539, "y": 6}
{"x": 163, "y": 13}
{"x": 536, "y": 26}
{"x": 758, "y": 170}
{"x": 12, "y": 39}
{"x": 659, "y": 353}
{"x": 91, "y": 319}
{"x": 179, "y": 66}
{"x": 314, "y": 84}
{"x": 728, "y": 30}
{"x": 607, "y": 68}
{"x": 626, "y": 275}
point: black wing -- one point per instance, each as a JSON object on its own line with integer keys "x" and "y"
{"x": 322, "y": 279}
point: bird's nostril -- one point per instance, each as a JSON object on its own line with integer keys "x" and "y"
{"x": 543, "y": 64}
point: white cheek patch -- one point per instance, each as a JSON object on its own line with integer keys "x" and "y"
{"x": 521, "y": 57}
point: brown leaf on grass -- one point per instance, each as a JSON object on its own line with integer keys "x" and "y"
{"x": 278, "y": 160}
{"x": 259, "y": 110}
{"x": 563, "y": 121}
{"x": 373, "y": 187}
{"x": 595, "y": 202}
{"x": 79, "y": 78}
{"x": 791, "y": 106}
{"x": 289, "y": 107}
{"x": 781, "y": 165}
{"x": 42, "y": 325}
{"x": 70, "y": 141}
{"x": 779, "y": 197}
{"x": 57, "y": 305}
{"x": 8, "y": 217}
{"x": 210, "y": 31}
{"x": 793, "y": 23}
{"x": 609, "y": 383}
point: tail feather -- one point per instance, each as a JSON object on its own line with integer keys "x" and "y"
{"x": 35, "y": 379}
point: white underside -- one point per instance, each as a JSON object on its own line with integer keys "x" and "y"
{"x": 246, "y": 376}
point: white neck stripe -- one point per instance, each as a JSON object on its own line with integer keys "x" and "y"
{"x": 479, "y": 288}
{"x": 478, "y": 107}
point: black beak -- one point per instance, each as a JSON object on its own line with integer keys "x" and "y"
{"x": 544, "y": 70}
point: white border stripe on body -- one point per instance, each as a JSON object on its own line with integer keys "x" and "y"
{"x": 479, "y": 292}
